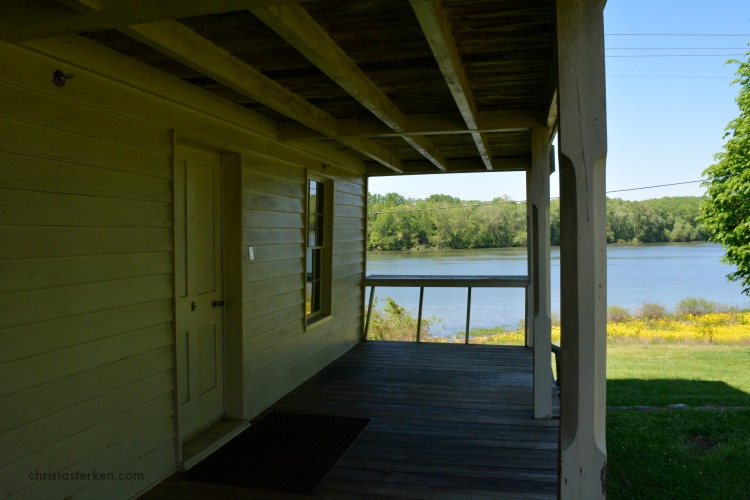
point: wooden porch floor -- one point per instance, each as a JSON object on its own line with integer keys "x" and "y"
{"x": 448, "y": 421}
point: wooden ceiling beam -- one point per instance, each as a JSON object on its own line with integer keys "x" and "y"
{"x": 428, "y": 124}
{"x": 186, "y": 46}
{"x": 300, "y": 30}
{"x": 375, "y": 152}
{"x": 519, "y": 164}
{"x": 437, "y": 30}
{"x": 33, "y": 19}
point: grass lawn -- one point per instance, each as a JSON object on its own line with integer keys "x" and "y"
{"x": 678, "y": 454}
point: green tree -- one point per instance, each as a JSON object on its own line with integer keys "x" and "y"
{"x": 726, "y": 211}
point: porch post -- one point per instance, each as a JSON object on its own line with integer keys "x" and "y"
{"x": 530, "y": 242}
{"x": 582, "y": 144}
{"x": 540, "y": 276}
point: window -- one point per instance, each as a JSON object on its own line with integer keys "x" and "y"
{"x": 318, "y": 261}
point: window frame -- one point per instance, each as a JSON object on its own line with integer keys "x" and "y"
{"x": 323, "y": 246}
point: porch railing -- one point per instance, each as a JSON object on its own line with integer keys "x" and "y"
{"x": 433, "y": 281}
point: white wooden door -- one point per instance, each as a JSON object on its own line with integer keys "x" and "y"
{"x": 198, "y": 279}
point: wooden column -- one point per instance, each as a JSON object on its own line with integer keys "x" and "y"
{"x": 582, "y": 144}
{"x": 530, "y": 239}
{"x": 540, "y": 302}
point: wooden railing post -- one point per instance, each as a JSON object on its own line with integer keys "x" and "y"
{"x": 419, "y": 314}
{"x": 468, "y": 314}
{"x": 369, "y": 310}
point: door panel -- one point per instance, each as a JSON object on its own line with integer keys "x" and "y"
{"x": 199, "y": 289}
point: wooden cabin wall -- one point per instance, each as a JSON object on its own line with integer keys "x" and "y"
{"x": 280, "y": 352}
{"x": 86, "y": 267}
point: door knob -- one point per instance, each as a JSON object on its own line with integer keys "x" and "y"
{"x": 193, "y": 306}
{"x": 217, "y": 303}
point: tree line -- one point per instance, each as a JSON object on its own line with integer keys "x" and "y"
{"x": 442, "y": 221}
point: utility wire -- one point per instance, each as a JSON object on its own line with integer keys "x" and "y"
{"x": 681, "y": 34}
{"x": 514, "y": 202}
{"x": 678, "y": 55}
{"x": 677, "y": 76}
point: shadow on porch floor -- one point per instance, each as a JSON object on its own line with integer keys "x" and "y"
{"x": 448, "y": 421}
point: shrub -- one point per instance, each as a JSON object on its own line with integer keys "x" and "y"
{"x": 395, "y": 322}
{"x": 695, "y": 306}
{"x": 617, "y": 314}
{"x": 650, "y": 311}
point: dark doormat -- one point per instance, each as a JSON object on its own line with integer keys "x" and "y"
{"x": 283, "y": 451}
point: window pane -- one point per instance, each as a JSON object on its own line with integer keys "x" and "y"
{"x": 320, "y": 235}
{"x": 316, "y": 255}
{"x": 320, "y": 207}
{"x": 308, "y": 298}
{"x": 312, "y": 197}
{"x": 313, "y": 230}
{"x": 316, "y": 296}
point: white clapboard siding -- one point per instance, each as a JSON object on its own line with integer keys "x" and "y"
{"x": 87, "y": 364}
{"x": 279, "y": 351}
{"x": 86, "y": 287}
{"x": 38, "y": 434}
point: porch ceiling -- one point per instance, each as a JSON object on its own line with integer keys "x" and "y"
{"x": 424, "y": 86}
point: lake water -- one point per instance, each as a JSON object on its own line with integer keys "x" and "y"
{"x": 658, "y": 273}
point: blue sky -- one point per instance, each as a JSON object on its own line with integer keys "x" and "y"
{"x": 666, "y": 113}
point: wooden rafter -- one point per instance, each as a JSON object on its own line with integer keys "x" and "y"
{"x": 28, "y": 20}
{"x": 434, "y": 23}
{"x": 191, "y": 49}
{"x": 298, "y": 28}
{"x": 433, "y": 124}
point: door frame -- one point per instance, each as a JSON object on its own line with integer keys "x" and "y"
{"x": 231, "y": 271}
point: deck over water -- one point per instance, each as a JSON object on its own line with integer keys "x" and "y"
{"x": 448, "y": 421}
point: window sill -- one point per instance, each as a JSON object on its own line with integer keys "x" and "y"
{"x": 317, "y": 321}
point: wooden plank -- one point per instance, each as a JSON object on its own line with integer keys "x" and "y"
{"x": 261, "y": 324}
{"x": 51, "y": 241}
{"x": 31, "y": 404}
{"x": 252, "y": 181}
{"x": 436, "y": 27}
{"x": 51, "y": 209}
{"x": 84, "y": 447}
{"x": 265, "y": 236}
{"x": 425, "y": 124}
{"x": 34, "y": 371}
{"x": 159, "y": 435}
{"x": 340, "y": 198}
{"x": 347, "y": 235}
{"x": 47, "y": 336}
{"x": 260, "y": 271}
{"x": 272, "y": 253}
{"x": 189, "y": 48}
{"x": 27, "y": 274}
{"x": 349, "y": 223}
{"x": 298, "y": 28}
{"x": 348, "y": 211}
{"x": 272, "y": 203}
{"x": 56, "y": 111}
{"x": 350, "y": 185}
{"x": 271, "y": 220}
{"x": 445, "y": 281}
{"x": 156, "y": 464}
{"x": 32, "y": 20}
{"x": 39, "y": 434}
{"x": 34, "y": 140}
{"x": 40, "y": 305}
{"x": 40, "y": 174}
{"x": 264, "y": 306}
{"x": 276, "y": 286}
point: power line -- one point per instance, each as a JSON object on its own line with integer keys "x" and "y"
{"x": 679, "y": 55}
{"x": 681, "y": 34}
{"x": 656, "y": 186}
{"x": 513, "y": 202}
{"x": 677, "y": 76}
{"x": 675, "y": 48}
